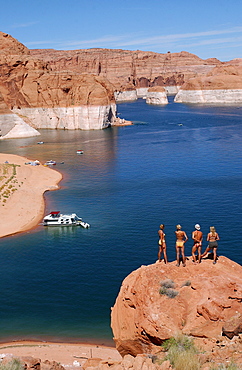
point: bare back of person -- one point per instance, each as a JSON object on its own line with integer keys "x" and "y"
{"x": 212, "y": 239}
{"x": 180, "y": 235}
{"x": 197, "y": 237}
{"x": 181, "y": 238}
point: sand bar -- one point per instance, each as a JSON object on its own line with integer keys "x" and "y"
{"x": 68, "y": 355}
{"x": 21, "y": 193}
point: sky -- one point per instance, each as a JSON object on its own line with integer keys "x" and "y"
{"x": 207, "y": 28}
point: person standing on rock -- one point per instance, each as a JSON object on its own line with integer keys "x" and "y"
{"x": 162, "y": 244}
{"x": 212, "y": 239}
{"x": 181, "y": 239}
{"x": 197, "y": 237}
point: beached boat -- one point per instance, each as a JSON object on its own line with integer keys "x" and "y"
{"x": 50, "y": 163}
{"x": 59, "y": 219}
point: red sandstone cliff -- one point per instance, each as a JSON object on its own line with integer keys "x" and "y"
{"x": 208, "y": 301}
{"x": 37, "y": 94}
{"x": 9, "y": 45}
{"x": 222, "y": 85}
{"x": 130, "y": 69}
{"x": 220, "y": 77}
{"x": 27, "y": 81}
{"x": 75, "y": 89}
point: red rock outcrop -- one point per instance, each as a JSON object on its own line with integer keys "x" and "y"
{"x": 128, "y": 70}
{"x": 222, "y": 77}
{"x": 203, "y": 298}
{"x": 9, "y": 45}
{"x": 223, "y": 84}
{"x": 75, "y": 89}
{"x": 27, "y": 83}
{"x": 156, "y": 95}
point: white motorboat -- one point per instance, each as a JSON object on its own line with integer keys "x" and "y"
{"x": 59, "y": 219}
{"x": 50, "y": 163}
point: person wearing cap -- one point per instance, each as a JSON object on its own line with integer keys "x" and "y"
{"x": 162, "y": 244}
{"x": 181, "y": 239}
{"x": 197, "y": 237}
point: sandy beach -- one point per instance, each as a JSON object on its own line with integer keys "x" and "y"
{"x": 21, "y": 193}
{"x": 68, "y": 355}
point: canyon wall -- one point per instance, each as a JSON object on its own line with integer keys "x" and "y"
{"x": 78, "y": 89}
{"x": 33, "y": 96}
{"x": 222, "y": 85}
{"x": 130, "y": 70}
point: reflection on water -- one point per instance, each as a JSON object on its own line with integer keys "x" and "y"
{"x": 62, "y": 281}
{"x": 57, "y": 231}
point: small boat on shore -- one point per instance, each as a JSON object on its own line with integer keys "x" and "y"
{"x": 50, "y": 163}
{"x": 58, "y": 219}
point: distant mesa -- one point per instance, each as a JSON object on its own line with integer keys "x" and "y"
{"x": 78, "y": 89}
{"x": 222, "y": 85}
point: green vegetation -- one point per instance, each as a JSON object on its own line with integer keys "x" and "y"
{"x": 14, "y": 364}
{"x": 7, "y": 179}
{"x": 182, "y": 353}
{"x": 167, "y": 288}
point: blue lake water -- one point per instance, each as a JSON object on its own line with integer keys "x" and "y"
{"x": 176, "y": 164}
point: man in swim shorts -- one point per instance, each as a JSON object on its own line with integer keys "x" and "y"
{"x": 197, "y": 237}
{"x": 181, "y": 239}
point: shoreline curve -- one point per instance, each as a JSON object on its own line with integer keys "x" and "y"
{"x": 67, "y": 354}
{"x": 22, "y": 188}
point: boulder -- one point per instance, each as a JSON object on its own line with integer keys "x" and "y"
{"x": 31, "y": 362}
{"x": 233, "y": 326}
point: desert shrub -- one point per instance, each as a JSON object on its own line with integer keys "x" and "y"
{"x": 182, "y": 353}
{"x": 186, "y": 283}
{"x": 171, "y": 293}
{"x": 167, "y": 288}
{"x": 168, "y": 283}
{"x": 14, "y": 364}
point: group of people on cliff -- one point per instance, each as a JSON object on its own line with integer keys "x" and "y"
{"x": 181, "y": 239}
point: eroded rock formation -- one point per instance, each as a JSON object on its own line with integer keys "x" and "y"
{"x": 78, "y": 89}
{"x": 204, "y": 297}
{"x": 33, "y": 95}
{"x": 222, "y": 85}
{"x": 156, "y": 95}
{"x": 130, "y": 70}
